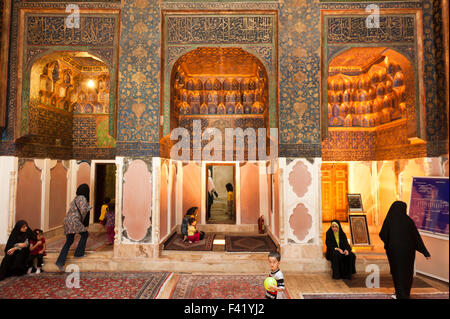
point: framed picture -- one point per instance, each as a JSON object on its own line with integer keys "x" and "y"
{"x": 354, "y": 203}
{"x": 359, "y": 230}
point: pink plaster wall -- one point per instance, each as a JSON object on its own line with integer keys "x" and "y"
{"x": 28, "y": 197}
{"x": 137, "y": 200}
{"x": 163, "y": 208}
{"x": 300, "y": 179}
{"x": 84, "y": 174}
{"x": 300, "y": 221}
{"x": 192, "y": 188}
{"x": 249, "y": 194}
{"x": 58, "y": 192}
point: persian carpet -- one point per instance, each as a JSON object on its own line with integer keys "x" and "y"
{"x": 249, "y": 244}
{"x": 92, "y": 285}
{"x": 94, "y": 242}
{"x": 374, "y": 296}
{"x": 219, "y": 287}
{"x": 385, "y": 282}
{"x": 175, "y": 242}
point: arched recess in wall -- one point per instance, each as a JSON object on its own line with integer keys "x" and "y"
{"x": 221, "y": 87}
{"x": 372, "y": 107}
{"x": 66, "y": 101}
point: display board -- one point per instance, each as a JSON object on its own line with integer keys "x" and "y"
{"x": 429, "y": 203}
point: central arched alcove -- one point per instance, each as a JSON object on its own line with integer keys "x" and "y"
{"x": 221, "y": 87}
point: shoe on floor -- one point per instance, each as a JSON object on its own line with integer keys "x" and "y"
{"x": 29, "y": 270}
{"x": 61, "y": 268}
{"x": 393, "y": 296}
{"x": 38, "y": 270}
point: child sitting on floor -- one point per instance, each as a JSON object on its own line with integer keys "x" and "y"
{"x": 193, "y": 233}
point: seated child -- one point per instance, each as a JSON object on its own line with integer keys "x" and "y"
{"x": 192, "y": 212}
{"x": 193, "y": 233}
{"x": 37, "y": 252}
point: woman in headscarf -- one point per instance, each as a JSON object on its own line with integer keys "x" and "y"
{"x": 401, "y": 240}
{"x": 17, "y": 251}
{"x": 73, "y": 224}
{"x": 339, "y": 252}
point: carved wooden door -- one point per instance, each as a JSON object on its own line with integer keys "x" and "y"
{"x": 334, "y": 192}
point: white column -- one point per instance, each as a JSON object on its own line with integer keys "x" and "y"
{"x": 203, "y": 188}
{"x": 179, "y": 194}
{"x": 8, "y": 175}
{"x": 156, "y": 177}
{"x": 119, "y": 195}
{"x": 238, "y": 193}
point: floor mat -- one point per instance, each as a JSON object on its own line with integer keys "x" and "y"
{"x": 374, "y": 296}
{"x": 94, "y": 242}
{"x": 385, "y": 282}
{"x": 92, "y": 285}
{"x": 219, "y": 287}
{"x": 249, "y": 244}
{"x": 175, "y": 242}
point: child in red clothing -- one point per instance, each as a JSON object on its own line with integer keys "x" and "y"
{"x": 193, "y": 234}
{"x": 37, "y": 252}
{"x": 110, "y": 223}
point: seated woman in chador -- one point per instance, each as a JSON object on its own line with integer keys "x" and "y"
{"x": 339, "y": 252}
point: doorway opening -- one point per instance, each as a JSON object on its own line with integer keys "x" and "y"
{"x": 105, "y": 186}
{"x": 220, "y": 196}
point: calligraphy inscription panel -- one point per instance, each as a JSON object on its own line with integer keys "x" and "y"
{"x": 220, "y": 29}
{"x": 52, "y": 30}
{"x": 354, "y": 29}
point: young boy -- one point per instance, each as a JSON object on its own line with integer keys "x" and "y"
{"x": 275, "y": 272}
{"x": 37, "y": 251}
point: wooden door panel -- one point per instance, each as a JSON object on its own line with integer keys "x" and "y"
{"x": 334, "y": 183}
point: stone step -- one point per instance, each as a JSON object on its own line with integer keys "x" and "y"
{"x": 206, "y": 262}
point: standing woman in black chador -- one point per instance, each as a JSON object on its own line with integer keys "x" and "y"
{"x": 15, "y": 262}
{"x": 339, "y": 252}
{"x": 401, "y": 240}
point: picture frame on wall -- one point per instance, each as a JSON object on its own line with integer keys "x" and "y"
{"x": 359, "y": 230}
{"x": 355, "y": 203}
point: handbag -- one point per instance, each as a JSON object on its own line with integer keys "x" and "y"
{"x": 84, "y": 221}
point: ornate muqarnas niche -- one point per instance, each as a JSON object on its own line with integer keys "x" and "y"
{"x": 367, "y": 88}
{"x": 210, "y": 81}
{"x": 74, "y": 82}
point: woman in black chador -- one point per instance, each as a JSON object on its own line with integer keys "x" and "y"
{"x": 401, "y": 240}
{"x": 16, "y": 251}
{"x": 339, "y": 252}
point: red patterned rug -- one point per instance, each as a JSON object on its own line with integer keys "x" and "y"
{"x": 219, "y": 287}
{"x": 92, "y": 285}
{"x": 261, "y": 243}
{"x": 94, "y": 242}
{"x": 175, "y": 242}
